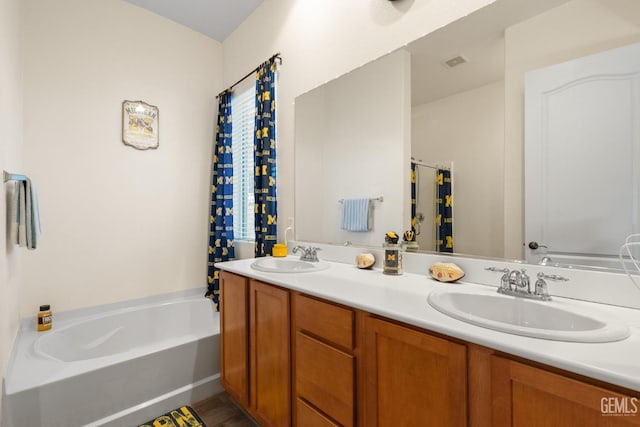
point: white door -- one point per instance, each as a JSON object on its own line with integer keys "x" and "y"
{"x": 582, "y": 151}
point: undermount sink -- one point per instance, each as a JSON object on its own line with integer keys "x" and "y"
{"x": 548, "y": 320}
{"x": 287, "y": 265}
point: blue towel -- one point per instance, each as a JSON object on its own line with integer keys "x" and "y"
{"x": 24, "y": 218}
{"x": 355, "y": 214}
{"x": 33, "y": 215}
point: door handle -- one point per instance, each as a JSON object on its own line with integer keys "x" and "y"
{"x": 535, "y": 245}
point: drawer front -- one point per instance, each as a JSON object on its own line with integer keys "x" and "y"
{"x": 327, "y": 321}
{"x": 325, "y": 378}
{"x": 306, "y": 416}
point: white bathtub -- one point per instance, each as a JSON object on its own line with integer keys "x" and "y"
{"x": 115, "y": 365}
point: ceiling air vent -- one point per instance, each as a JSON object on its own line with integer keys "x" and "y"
{"x": 455, "y": 61}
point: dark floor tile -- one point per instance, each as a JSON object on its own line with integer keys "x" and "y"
{"x": 220, "y": 411}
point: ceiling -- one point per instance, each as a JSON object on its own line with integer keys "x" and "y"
{"x": 479, "y": 38}
{"x": 213, "y": 18}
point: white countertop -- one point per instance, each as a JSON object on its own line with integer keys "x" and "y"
{"x": 404, "y": 298}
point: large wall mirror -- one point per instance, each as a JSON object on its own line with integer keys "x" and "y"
{"x": 455, "y": 100}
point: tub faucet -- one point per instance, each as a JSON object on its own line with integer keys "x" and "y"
{"x": 308, "y": 253}
{"x": 545, "y": 260}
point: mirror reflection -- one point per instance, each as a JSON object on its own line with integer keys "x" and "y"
{"x": 455, "y": 100}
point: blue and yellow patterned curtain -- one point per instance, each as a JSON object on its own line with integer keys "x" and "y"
{"x": 221, "y": 213}
{"x": 265, "y": 159}
{"x": 444, "y": 211}
{"x": 414, "y": 220}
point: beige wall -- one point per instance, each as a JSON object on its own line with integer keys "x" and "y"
{"x": 321, "y": 40}
{"x": 578, "y": 28}
{"x": 10, "y": 160}
{"x": 118, "y": 223}
{"x": 468, "y": 128}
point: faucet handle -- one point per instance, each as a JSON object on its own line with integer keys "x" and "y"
{"x": 553, "y": 277}
{"x": 504, "y": 280}
{"x": 313, "y": 252}
{"x": 541, "y": 289}
{"x": 497, "y": 270}
{"x": 541, "y": 286}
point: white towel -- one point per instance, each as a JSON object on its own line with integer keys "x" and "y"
{"x": 355, "y": 214}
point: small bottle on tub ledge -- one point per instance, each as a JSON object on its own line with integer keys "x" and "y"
{"x": 45, "y": 318}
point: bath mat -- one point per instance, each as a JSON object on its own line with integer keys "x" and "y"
{"x": 184, "y": 416}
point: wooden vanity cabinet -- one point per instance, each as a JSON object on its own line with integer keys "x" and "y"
{"x": 413, "y": 378}
{"x": 292, "y": 359}
{"x": 234, "y": 336}
{"x": 325, "y": 363}
{"x": 256, "y": 348}
{"x": 524, "y": 396}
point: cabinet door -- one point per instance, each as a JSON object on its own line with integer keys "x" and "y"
{"x": 234, "y": 333}
{"x": 269, "y": 325}
{"x": 526, "y": 396}
{"x": 413, "y": 379}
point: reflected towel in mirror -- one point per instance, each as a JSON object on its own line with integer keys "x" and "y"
{"x": 355, "y": 214}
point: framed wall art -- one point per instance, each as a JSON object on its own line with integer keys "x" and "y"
{"x": 140, "y": 125}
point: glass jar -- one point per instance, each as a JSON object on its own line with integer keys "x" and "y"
{"x": 392, "y": 255}
{"x": 45, "y": 318}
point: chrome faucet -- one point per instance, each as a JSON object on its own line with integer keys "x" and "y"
{"x": 517, "y": 283}
{"x": 308, "y": 253}
{"x": 515, "y": 280}
{"x": 520, "y": 280}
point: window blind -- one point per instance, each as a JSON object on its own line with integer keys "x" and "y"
{"x": 243, "y": 109}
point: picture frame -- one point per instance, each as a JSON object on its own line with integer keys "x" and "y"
{"x": 140, "y": 123}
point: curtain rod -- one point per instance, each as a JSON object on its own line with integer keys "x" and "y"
{"x": 276, "y": 56}
{"x": 426, "y": 165}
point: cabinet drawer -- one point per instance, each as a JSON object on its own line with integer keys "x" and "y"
{"x": 325, "y": 320}
{"x": 306, "y": 416}
{"x": 325, "y": 378}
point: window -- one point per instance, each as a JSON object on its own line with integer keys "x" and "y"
{"x": 243, "y": 112}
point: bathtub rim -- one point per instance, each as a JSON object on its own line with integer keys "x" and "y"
{"x": 96, "y": 310}
{"x": 23, "y": 346}
{"x": 39, "y": 343}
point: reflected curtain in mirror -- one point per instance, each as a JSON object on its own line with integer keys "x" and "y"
{"x": 414, "y": 200}
{"x": 221, "y": 213}
{"x": 444, "y": 211}
{"x": 265, "y": 159}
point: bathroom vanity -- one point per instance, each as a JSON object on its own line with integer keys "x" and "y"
{"x": 348, "y": 347}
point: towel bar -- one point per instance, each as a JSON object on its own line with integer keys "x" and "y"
{"x": 375, "y": 199}
{"x": 13, "y": 177}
